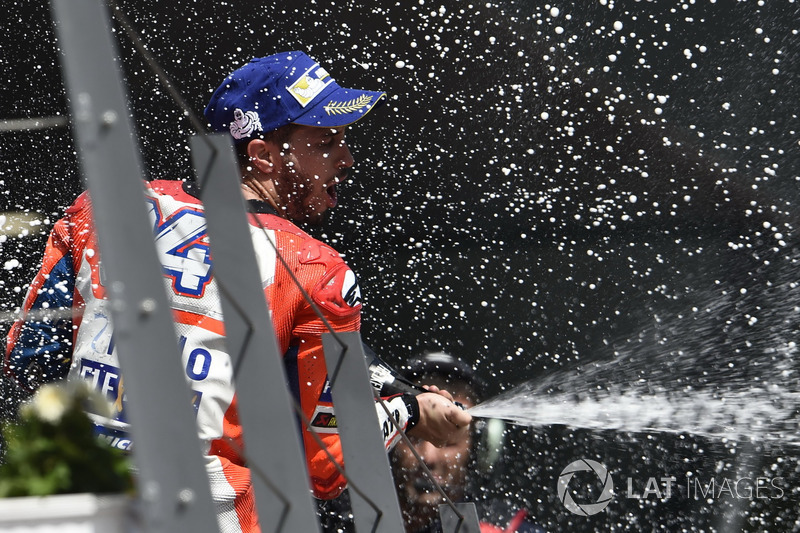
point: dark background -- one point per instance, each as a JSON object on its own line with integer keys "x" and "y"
{"x": 543, "y": 193}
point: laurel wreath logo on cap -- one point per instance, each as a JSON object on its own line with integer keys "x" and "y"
{"x": 350, "y": 106}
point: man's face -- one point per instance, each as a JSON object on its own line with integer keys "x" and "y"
{"x": 317, "y": 159}
{"x": 419, "y": 498}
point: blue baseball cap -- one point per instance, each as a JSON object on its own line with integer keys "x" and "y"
{"x": 285, "y": 88}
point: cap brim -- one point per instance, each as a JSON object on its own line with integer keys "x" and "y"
{"x": 341, "y": 107}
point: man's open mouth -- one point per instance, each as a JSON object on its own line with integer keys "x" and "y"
{"x": 332, "y": 195}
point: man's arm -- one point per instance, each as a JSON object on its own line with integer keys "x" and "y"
{"x": 431, "y": 416}
{"x": 39, "y": 343}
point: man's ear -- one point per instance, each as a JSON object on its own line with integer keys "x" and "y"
{"x": 263, "y": 155}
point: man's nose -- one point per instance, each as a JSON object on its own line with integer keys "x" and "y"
{"x": 344, "y": 159}
{"x": 429, "y": 453}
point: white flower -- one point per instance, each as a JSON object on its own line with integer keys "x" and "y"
{"x": 50, "y": 403}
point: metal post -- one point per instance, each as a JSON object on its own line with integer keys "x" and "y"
{"x": 172, "y": 481}
{"x": 453, "y": 523}
{"x": 272, "y": 442}
{"x": 372, "y": 491}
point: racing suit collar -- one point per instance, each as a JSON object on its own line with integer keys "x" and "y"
{"x": 253, "y": 206}
{"x": 260, "y": 206}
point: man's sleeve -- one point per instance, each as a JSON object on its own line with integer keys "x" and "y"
{"x": 39, "y": 343}
{"x": 404, "y": 409}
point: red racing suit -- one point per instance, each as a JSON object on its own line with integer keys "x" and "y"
{"x": 69, "y": 333}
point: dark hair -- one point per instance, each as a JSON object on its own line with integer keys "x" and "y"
{"x": 447, "y": 369}
{"x": 280, "y": 137}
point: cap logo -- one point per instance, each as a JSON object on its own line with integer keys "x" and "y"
{"x": 244, "y": 124}
{"x": 309, "y": 85}
{"x": 350, "y": 106}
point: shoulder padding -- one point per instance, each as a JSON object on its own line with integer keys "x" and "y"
{"x": 337, "y": 291}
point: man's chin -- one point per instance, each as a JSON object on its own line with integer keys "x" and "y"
{"x": 426, "y": 494}
{"x": 316, "y": 220}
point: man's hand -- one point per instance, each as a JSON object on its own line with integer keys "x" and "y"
{"x": 440, "y": 420}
